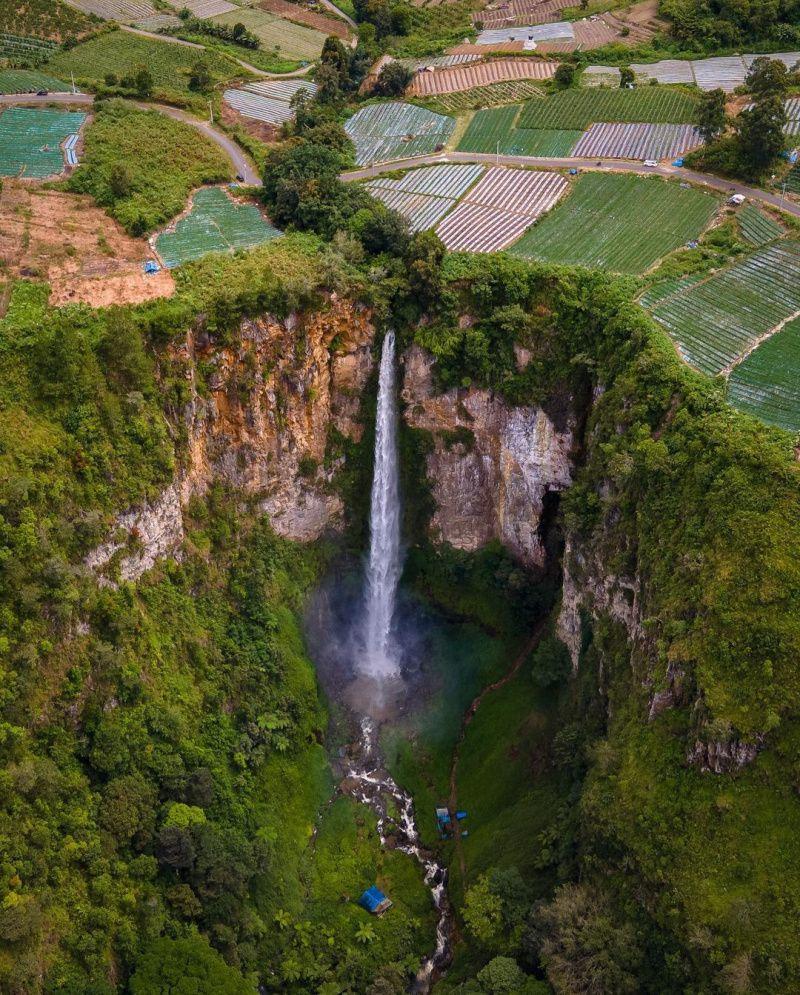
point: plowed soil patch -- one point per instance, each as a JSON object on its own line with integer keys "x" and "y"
{"x": 84, "y": 255}
{"x": 301, "y": 15}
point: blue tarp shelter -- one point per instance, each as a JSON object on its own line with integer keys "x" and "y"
{"x": 374, "y": 901}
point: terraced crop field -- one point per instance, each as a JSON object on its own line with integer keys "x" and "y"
{"x": 467, "y": 77}
{"x": 620, "y": 223}
{"x": 121, "y": 52}
{"x": 126, "y": 11}
{"x": 43, "y": 20}
{"x": 423, "y": 196}
{"x": 511, "y": 92}
{"x": 540, "y": 142}
{"x": 32, "y": 50}
{"x": 489, "y": 129}
{"x": 268, "y": 101}
{"x": 493, "y": 130}
{"x": 637, "y": 141}
{"x": 767, "y": 383}
{"x": 756, "y": 227}
{"x": 293, "y": 41}
{"x": 30, "y": 140}
{"x": 717, "y": 321}
{"x": 499, "y": 208}
{"x": 382, "y": 132}
{"x": 29, "y": 81}
{"x": 214, "y": 224}
{"x": 577, "y": 109}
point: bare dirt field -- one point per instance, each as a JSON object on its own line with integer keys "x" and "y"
{"x": 258, "y": 129}
{"x": 302, "y": 15}
{"x": 84, "y": 255}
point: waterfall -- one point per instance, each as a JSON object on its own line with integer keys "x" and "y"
{"x": 380, "y": 656}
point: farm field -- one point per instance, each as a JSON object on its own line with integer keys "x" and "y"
{"x": 302, "y": 15}
{"x": 637, "y": 141}
{"x": 292, "y": 41}
{"x": 207, "y": 8}
{"x": 489, "y": 128}
{"x": 715, "y": 322}
{"x": 33, "y": 50}
{"x": 708, "y": 74}
{"x": 30, "y": 140}
{"x": 29, "y": 81}
{"x": 53, "y": 20}
{"x": 521, "y": 12}
{"x": 214, "y": 224}
{"x": 423, "y": 196}
{"x": 126, "y": 11}
{"x": 499, "y": 208}
{"x": 268, "y": 101}
{"x": 467, "y": 77}
{"x": 756, "y": 227}
{"x": 767, "y": 383}
{"x": 382, "y": 132}
{"x": 577, "y": 109}
{"x": 120, "y": 52}
{"x": 600, "y": 224}
{"x": 83, "y": 256}
{"x": 494, "y": 94}
{"x": 493, "y": 130}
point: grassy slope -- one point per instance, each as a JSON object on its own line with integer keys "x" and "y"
{"x": 166, "y": 159}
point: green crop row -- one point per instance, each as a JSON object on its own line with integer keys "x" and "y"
{"x": 577, "y": 109}
{"x": 767, "y": 383}
{"x": 619, "y": 223}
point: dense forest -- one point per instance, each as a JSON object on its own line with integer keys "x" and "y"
{"x": 164, "y": 741}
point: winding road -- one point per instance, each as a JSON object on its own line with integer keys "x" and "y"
{"x": 244, "y": 168}
{"x": 241, "y": 164}
{"x": 610, "y": 165}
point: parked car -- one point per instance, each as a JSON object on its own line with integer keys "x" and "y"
{"x": 651, "y": 162}
{"x": 42, "y": 93}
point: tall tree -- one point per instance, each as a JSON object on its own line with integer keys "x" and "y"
{"x": 767, "y": 77}
{"x": 760, "y": 134}
{"x": 336, "y": 55}
{"x": 710, "y": 120}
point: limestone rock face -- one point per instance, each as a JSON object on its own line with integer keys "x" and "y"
{"x": 492, "y": 463}
{"x": 156, "y": 528}
{"x": 263, "y": 428}
{"x": 259, "y": 419}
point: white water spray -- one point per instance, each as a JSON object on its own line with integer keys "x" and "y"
{"x": 380, "y": 656}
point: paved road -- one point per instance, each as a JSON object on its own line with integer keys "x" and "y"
{"x": 340, "y": 13}
{"x": 241, "y": 164}
{"x": 609, "y": 165}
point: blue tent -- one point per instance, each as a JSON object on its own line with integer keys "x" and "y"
{"x": 374, "y": 901}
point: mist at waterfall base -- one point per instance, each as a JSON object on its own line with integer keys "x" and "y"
{"x": 367, "y": 637}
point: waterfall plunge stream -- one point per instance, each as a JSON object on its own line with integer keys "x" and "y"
{"x": 379, "y": 660}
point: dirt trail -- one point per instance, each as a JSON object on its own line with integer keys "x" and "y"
{"x": 469, "y": 715}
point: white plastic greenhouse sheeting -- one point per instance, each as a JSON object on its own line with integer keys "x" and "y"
{"x": 637, "y": 141}
{"x": 532, "y": 33}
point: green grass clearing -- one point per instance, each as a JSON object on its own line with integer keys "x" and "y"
{"x": 619, "y": 223}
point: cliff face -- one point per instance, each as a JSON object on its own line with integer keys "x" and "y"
{"x": 258, "y": 418}
{"x": 491, "y": 465}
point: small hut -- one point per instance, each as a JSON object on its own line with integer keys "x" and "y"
{"x": 374, "y": 901}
